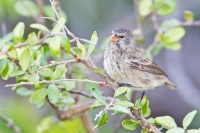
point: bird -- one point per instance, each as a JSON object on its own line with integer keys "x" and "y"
{"x": 128, "y": 66}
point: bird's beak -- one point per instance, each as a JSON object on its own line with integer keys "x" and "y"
{"x": 113, "y": 38}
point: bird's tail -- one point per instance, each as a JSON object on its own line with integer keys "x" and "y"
{"x": 170, "y": 85}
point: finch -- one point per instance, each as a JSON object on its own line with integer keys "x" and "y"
{"x": 128, "y": 66}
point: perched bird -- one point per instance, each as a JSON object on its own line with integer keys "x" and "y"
{"x": 128, "y": 66}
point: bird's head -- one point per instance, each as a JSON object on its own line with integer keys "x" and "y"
{"x": 122, "y": 37}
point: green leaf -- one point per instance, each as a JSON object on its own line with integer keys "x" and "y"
{"x": 121, "y": 98}
{"x": 94, "y": 40}
{"x": 176, "y": 130}
{"x": 189, "y": 16}
{"x": 172, "y": 46}
{"x": 169, "y": 24}
{"x": 147, "y": 113}
{"x": 59, "y": 72}
{"x": 12, "y": 54}
{"x": 124, "y": 104}
{"x": 32, "y": 39}
{"x": 188, "y": 119}
{"x": 53, "y": 93}
{"x": 120, "y": 91}
{"x": 130, "y": 124}
{"x": 139, "y": 104}
{"x": 96, "y": 103}
{"x": 18, "y": 32}
{"x": 7, "y": 70}
{"x": 144, "y": 131}
{"x": 26, "y": 8}
{"x": 145, "y": 105}
{"x": 24, "y": 59}
{"x": 55, "y": 46}
{"x": 46, "y": 72}
{"x": 34, "y": 78}
{"x": 151, "y": 120}
{"x": 97, "y": 94}
{"x": 38, "y": 96}
{"x": 66, "y": 44}
{"x": 166, "y": 122}
{"x": 70, "y": 85}
{"x": 98, "y": 71}
{"x": 48, "y": 11}
{"x": 62, "y": 14}
{"x": 145, "y": 7}
{"x": 41, "y": 104}
{"x": 82, "y": 48}
{"x": 120, "y": 109}
{"x": 40, "y": 27}
{"x": 173, "y": 35}
{"x": 193, "y": 131}
{"x": 16, "y": 73}
{"x": 167, "y": 7}
{"x": 59, "y": 25}
{"x": 2, "y": 65}
{"x": 22, "y": 91}
{"x": 102, "y": 120}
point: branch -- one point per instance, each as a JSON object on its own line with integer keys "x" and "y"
{"x": 144, "y": 123}
{"x": 82, "y": 93}
{"x": 54, "y": 81}
{"x": 75, "y": 110}
{"x": 10, "y": 124}
{"x": 56, "y": 63}
{"x": 86, "y": 121}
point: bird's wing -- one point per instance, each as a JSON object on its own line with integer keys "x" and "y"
{"x": 144, "y": 64}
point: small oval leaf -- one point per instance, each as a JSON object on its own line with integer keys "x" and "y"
{"x": 176, "y": 130}
{"x": 120, "y": 91}
{"x": 24, "y": 59}
{"x": 53, "y": 93}
{"x": 59, "y": 25}
{"x": 38, "y": 96}
{"x": 55, "y": 46}
{"x": 188, "y": 119}
{"x": 39, "y": 27}
{"x": 130, "y": 124}
{"x": 102, "y": 120}
{"x": 189, "y": 16}
{"x": 120, "y": 109}
{"x": 97, "y": 94}
{"x": 166, "y": 121}
{"x": 18, "y": 32}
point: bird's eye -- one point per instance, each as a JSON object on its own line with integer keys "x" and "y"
{"x": 121, "y": 36}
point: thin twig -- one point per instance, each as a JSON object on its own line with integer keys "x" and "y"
{"x": 82, "y": 93}
{"x": 10, "y": 124}
{"x": 105, "y": 109}
{"x": 55, "y": 63}
{"x": 54, "y": 81}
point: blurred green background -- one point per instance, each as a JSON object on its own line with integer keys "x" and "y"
{"x": 84, "y": 17}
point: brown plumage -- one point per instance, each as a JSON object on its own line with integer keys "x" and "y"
{"x": 126, "y": 64}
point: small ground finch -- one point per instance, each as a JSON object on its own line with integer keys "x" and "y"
{"x": 128, "y": 66}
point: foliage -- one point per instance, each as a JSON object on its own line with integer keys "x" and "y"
{"x": 25, "y": 59}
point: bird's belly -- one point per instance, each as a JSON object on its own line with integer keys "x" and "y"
{"x": 119, "y": 72}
